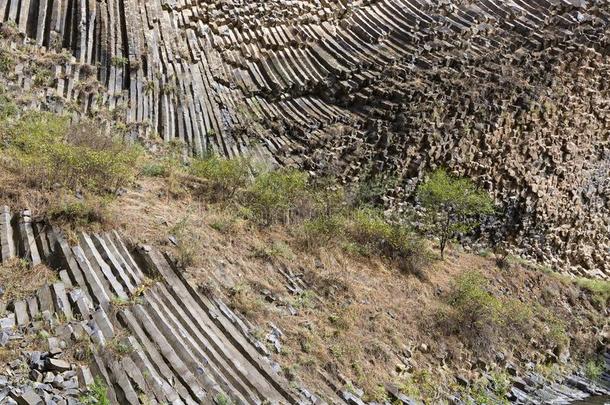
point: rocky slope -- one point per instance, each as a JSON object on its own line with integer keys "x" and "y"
{"x": 151, "y": 333}
{"x": 513, "y": 93}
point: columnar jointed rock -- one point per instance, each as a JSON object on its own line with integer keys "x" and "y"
{"x": 167, "y": 344}
{"x": 513, "y": 93}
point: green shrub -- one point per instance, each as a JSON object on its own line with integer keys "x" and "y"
{"x": 154, "y": 169}
{"x": 322, "y": 230}
{"x": 119, "y": 61}
{"x": 223, "y": 177}
{"x": 97, "y": 394}
{"x": 479, "y": 317}
{"x": 452, "y": 204}
{"x": 7, "y": 109}
{"x": 366, "y": 231}
{"x": 50, "y": 153}
{"x": 599, "y": 290}
{"x": 276, "y": 196}
{"x": 369, "y": 228}
{"x": 368, "y": 193}
{"x": 7, "y": 62}
{"x": 222, "y": 399}
{"x": 594, "y": 369}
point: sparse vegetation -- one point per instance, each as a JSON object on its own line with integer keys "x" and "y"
{"x": 222, "y": 177}
{"x": 119, "y": 346}
{"x": 119, "y": 61}
{"x": 19, "y": 279}
{"x": 478, "y": 316}
{"x": 47, "y": 152}
{"x": 274, "y": 196}
{"x": 594, "y": 368}
{"x": 222, "y": 399}
{"x": 80, "y": 212}
{"x": 599, "y": 290}
{"x": 7, "y": 62}
{"x": 453, "y": 205}
{"x": 245, "y": 300}
{"x": 97, "y": 395}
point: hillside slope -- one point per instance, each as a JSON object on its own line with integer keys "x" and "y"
{"x": 512, "y": 93}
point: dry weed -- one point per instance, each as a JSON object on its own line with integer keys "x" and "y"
{"x": 20, "y": 280}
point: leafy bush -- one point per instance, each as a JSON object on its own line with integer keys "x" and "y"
{"x": 154, "y": 169}
{"x": 594, "y": 369}
{"x": 370, "y": 191}
{"x": 366, "y": 231}
{"x": 453, "y": 205}
{"x": 7, "y": 109}
{"x": 224, "y": 177}
{"x": 97, "y": 394}
{"x": 322, "y": 230}
{"x": 7, "y": 63}
{"x": 479, "y": 317}
{"x": 275, "y": 195}
{"x": 50, "y": 153}
{"x": 369, "y": 228}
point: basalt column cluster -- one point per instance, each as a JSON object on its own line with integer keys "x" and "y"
{"x": 513, "y": 93}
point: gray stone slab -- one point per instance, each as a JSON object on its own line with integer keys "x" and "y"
{"x": 45, "y": 298}
{"x": 21, "y": 313}
{"x": 33, "y": 308}
{"x": 98, "y": 264}
{"x": 62, "y": 304}
{"x": 7, "y": 243}
{"x": 30, "y": 248}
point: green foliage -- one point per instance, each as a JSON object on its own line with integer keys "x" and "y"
{"x": 366, "y": 231}
{"x": 50, "y": 152}
{"x": 119, "y": 61}
{"x": 375, "y": 234}
{"x": 370, "y": 191}
{"x": 222, "y": 399}
{"x": 7, "y": 62}
{"x": 43, "y": 76}
{"x": 419, "y": 384}
{"x": 155, "y": 169}
{"x": 479, "y": 317}
{"x": 274, "y": 195}
{"x": 492, "y": 389}
{"x": 119, "y": 347}
{"x": 599, "y": 290}
{"x": 594, "y": 369}
{"x": 275, "y": 250}
{"x": 223, "y": 177}
{"x": 322, "y": 230}
{"x": 97, "y": 394}
{"x": 452, "y": 205}
{"x": 7, "y": 109}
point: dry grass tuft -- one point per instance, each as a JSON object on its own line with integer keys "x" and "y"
{"x": 20, "y": 280}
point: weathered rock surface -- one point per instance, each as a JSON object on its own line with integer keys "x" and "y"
{"x": 513, "y": 93}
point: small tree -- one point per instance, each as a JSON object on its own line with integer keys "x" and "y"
{"x": 453, "y": 205}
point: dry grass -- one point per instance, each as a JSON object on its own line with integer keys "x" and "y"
{"x": 357, "y": 317}
{"x": 20, "y": 280}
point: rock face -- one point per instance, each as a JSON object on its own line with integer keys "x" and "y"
{"x": 161, "y": 341}
{"x": 513, "y": 93}
{"x": 153, "y": 342}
